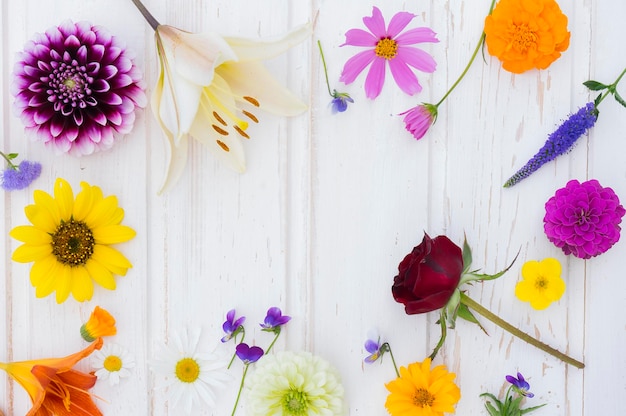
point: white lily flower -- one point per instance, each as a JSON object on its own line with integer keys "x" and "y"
{"x": 209, "y": 88}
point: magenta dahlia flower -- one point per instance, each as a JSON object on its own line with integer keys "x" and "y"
{"x": 387, "y": 44}
{"x": 583, "y": 218}
{"x": 76, "y": 88}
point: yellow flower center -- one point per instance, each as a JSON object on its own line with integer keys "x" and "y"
{"x": 73, "y": 243}
{"x": 523, "y": 37}
{"x": 187, "y": 370}
{"x": 423, "y": 398}
{"x": 295, "y": 403}
{"x": 112, "y": 363}
{"x": 541, "y": 283}
{"x": 386, "y": 48}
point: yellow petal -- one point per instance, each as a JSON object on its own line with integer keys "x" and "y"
{"x": 113, "y": 234}
{"x": 41, "y": 270}
{"x": 30, "y": 235}
{"x": 530, "y": 270}
{"x": 63, "y": 283}
{"x": 82, "y": 286}
{"x": 550, "y": 267}
{"x": 64, "y": 197}
{"x": 27, "y": 253}
{"x": 256, "y": 50}
{"x": 47, "y": 209}
{"x": 100, "y": 274}
{"x": 48, "y": 282}
{"x": 111, "y": 259}
{"x": 85, "y": 200}
{"x": 102, "y": 212}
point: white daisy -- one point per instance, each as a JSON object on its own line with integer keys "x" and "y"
{"x": 294, "y": 384}
{"x": 191, "y": 376}
{"x": 112, "y": 362}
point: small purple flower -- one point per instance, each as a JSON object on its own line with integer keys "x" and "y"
{"x": 19, "y": 177}
{"x": 583, "y": 218}
{"x": 419, "y": 119}
{"x": 76, "y": 88}
{"x": 340, "y": 101}
{"x": 374, "y": 348}
{"x": 559, "y": 142}
{"x": 520, "y": 385}
{"x": 274, "y": 320}
{"x": 248, "y": 354}
{"x": 231, "y": 326}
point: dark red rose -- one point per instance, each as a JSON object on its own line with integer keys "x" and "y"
{"x": 429, "y": 275}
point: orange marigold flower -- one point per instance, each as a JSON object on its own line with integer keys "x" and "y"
{"x": 526, "y": 34}
{"x": 54, "y": 387}
{"x": 100, "y": 324}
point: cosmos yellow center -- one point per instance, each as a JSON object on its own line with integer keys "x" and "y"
{"x": 113, "y": 363}
{"x": 295, "y": 403}
{"x": 187, "y": 370}
{"x": 386, "y": 48}
{"x": 522, "y": 37}
{"x": 73, "y": 243}
{"x": 423, "y": 398}
{"x": 541, "y": 283}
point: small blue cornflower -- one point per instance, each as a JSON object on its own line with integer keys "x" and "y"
{"x": 520, "y": 385}
{"x": 232, "y": 327}
{"x": 340, "y": 100}
{"x": 248, "y": 354}
{"x": 274, "y": 320}
{"x": 559, "y": 142}
{"x": 16, "y": 177}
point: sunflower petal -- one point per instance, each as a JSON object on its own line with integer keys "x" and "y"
{"x": 101, "y": 212}
{"x": 31, "y": 235}
{"x": 28, "y": 252}
{"x": 41, "y": 270}
{"x": 81, "y": 286}
{"x": 111, "y": 259}
{"x": 64, "y": 197}
{"x": 63, "y": 283}
{"x": 100, "y": 274}
{"x": 113, "y": 234}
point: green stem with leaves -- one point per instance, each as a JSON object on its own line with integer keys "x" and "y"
{"x": 9, "y": 158}
{"x": 611, "y": 89}
{"x": 470, "y": 303}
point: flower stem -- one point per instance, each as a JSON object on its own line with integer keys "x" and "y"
{"x": 272, "y": 343}
{"x": 470, "y": 303}
{"x": 444, "y": 333}
{"x": 8, "y": 159}
{"x": 243, "y": 377}
{"x": 243, "y": 335}
{"x": 319, "y": 45}
{"x": 611, "y": 89}
{"x": 480, "y": 43}
{"x": 146, "y": 14}
{"x": 393, "y": 360}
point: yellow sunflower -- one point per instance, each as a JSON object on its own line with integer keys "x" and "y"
{"x": 69, "y": 240}
{"x": 420, "y": 391}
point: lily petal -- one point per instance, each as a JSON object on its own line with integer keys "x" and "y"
{"x": 256, "y": 50}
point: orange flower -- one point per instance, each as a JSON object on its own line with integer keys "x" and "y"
{"x": 100, "y": 324}
{"x": 54, "y": 387}
{"x": 526, "y": 34}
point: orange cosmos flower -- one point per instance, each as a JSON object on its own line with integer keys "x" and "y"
{"x": 54, "y": 387}
{"x": 100, "y": 324}
{"x": 526, "y": 34}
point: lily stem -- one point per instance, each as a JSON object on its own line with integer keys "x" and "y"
{"x": 472, "y": 304}
{"x": 146, "y": 14}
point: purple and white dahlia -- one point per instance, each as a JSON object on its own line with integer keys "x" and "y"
{"x": 583, "y": 218}
{"x": 76, "y": 88}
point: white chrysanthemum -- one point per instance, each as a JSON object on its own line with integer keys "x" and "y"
{"x": 294, "y": 384}
{"x": 190, "y": 376}
{"x": 112, "y": 362}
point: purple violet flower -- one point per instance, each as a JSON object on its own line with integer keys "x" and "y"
{"x": 583, "y": 218}
{"x": 232, "y": 326}
{"x": 248, "y": 354}
{"x": 19, "y": 177}
{"x": 340, "y": 101}
{"x": 274, "y": 320}
{"x": 559, "y": 142}
{"x": 520, "y": 385}
{"x": 76, "y": 88}
{"x": 375, "y": 350}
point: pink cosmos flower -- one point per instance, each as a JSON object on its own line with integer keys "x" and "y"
{"x": 387, "y": 44}
{"x": 419, "y": 119}
{"x": 76, "y": 88}
{"x": 584, "y": 219}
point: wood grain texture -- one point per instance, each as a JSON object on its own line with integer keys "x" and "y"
{"x": 330, "y": 204}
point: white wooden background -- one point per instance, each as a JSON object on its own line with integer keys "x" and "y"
{"x": 331, "y": 203}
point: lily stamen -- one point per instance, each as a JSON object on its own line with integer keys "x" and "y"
{"x": 223, "y": 145}
{"x": 220, "y": 130}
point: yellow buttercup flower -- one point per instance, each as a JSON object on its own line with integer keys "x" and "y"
{"x": 69, "y": 241}
{"x": 541, "y": 283}
{"x": 422, "y": 391}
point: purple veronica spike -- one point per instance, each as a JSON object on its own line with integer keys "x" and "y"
{"x": 248, "y": 354}
{"x": 232, "y": 326}
{"x": 274, "y": 319}
{"x": 21, "y": 176}
{"x": 520, "y": 384}
{"x": 76, "y": 88}
{"x": 559, "y": 142}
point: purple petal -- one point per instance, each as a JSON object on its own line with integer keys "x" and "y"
{"x": 375, "y": 79}
{"x": 417, "y": 35}
{"x": 376, "y": 23}
{"x": 371, "y": 346}
{"x": 417, "y": 58}
{"x": 404, "y": 77}
{"x": 398, "y": 23}
{"x": 359, "y": 37}
{"x": 356, "y": 65}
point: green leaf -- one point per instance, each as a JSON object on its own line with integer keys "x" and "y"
{"x": 465, "y": 313}
{"x": 595, "y": 85}
{"x": 530, "y": 409}
{"x": 467, "y": 256}
{"x": 470, "y": 277}
{"x": 12, "y": 155}
{"x": 619, "y": 99}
